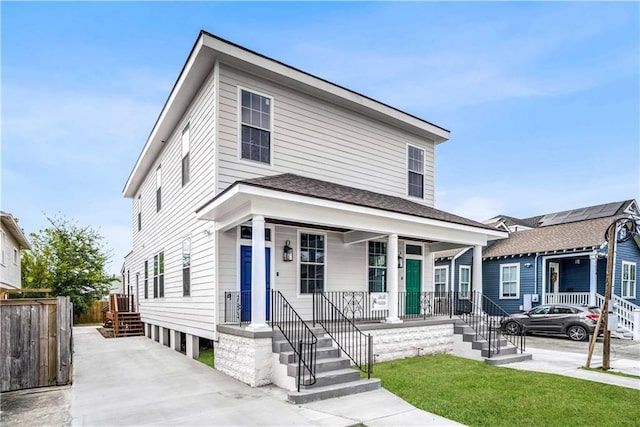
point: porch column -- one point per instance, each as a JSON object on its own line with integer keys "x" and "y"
{"x": 392, "y": 278}
{"x": 476, "y": 269}
{"x": 258, "y": 277}
{"x": 593, "y": 280}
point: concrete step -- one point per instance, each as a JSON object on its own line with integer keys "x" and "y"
{"x": 322, "y": 365}
{"x": 338, "y": 376}
{"x": 503, "y": 359}
{"x": 503, "y": 351}
{"x": 334, "y": 390}
{"x": 287, "y": 357}
{"x": 280, "y": 345}
{"x": 483, "y": 344}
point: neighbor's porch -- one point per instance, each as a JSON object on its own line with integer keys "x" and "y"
{"x": 570, "y": 278}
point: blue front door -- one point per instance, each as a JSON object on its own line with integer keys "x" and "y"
{"x": 245, "y": 281}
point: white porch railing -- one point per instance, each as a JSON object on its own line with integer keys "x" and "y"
{"x": 574, "y": 298}
{"x": 624, "y": 310}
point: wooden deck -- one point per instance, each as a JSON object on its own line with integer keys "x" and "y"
{"x": 120, "y": 315}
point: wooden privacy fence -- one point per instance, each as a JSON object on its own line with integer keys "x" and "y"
{"x": 35, "y": 343}
{"x": 94, "y": 315}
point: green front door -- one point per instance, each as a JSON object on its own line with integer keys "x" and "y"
{"x": 412, "y": 279}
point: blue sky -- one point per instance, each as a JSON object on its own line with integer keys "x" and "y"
{"x": 542, "y": 99}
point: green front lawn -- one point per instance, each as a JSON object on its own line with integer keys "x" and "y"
{"x": 478, "y": 394}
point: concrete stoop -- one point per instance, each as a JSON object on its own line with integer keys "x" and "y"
{"x": 480, "y": 348}
{"x": 622, "y": 333}
{"x": 334, "y": 375}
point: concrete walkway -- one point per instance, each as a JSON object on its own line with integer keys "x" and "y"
{"x": 135, "y": 381}
{"x": 570, "y": 364}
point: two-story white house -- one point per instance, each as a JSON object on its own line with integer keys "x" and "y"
{"x": 260, "y": 177}
{"x": 12, "y": 242}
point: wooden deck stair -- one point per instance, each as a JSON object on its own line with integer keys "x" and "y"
{"x": 122, "y": 318}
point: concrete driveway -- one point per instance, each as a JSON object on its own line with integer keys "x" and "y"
{"x": 135, "y": 381}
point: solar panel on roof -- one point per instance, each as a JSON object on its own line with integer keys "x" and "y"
{"x": 580, "y": 214}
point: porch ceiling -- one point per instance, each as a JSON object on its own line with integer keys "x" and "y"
{"x": 243, "y": 200}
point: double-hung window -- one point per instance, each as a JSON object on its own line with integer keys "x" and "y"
{"x": 377, "y": 266}
{"x": 440, "y": 280}
{"x": 158, "y": 189}
{"x": 628, "y": 279}
{"x": 3, "y": 245}
{"x": 158, "y": 275}
{"x": 465, "y": 281}
{"x": 256, "y": 127}
{"x": 146, "y": 279}
{"x": 139, "y": 212}
{"x": 415, "y": 169}
{"x": 509, "y": 281}
{"x": 185, "y": 156}
{"x": 186, "y": 267}
{"x": 312, "y": 261}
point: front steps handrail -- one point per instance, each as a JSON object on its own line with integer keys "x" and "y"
{"x": 299, "y": 336}
{"x": 354, "y": 343}
{"x": 624, "y": 309}
{"x": 485, "y": 317}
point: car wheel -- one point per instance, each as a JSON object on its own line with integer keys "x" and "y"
{"x": 512, "y": 328}
{"x": 577, "y": 333}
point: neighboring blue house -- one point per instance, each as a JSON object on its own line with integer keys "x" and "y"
{"x": 554, "y": 258}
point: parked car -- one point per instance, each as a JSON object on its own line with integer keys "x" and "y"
{"x": 575, "y": 321}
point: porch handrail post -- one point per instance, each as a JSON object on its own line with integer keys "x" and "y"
{"x": 392, "y": 278}
{"x": 258, "y": 276}
{"x": 593, "y": 280}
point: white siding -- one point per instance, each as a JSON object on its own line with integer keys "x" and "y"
{"x": 165, "y": 230}
{"x": 9, "y": 270}
{"x": 314, "y": 138}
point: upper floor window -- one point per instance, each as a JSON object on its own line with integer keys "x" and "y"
{"x": 15, "y": 257}
{"x": 509, "y": 281}
{"x": 3, "y": 244}
{"x": 256, "y": 127}
{"x": 158, "y": 189}
{"x": 415, "y": 168}
{"x": 440, "y": 280}
{"x": 628, "y": 279}
{"x": 185, "y": 156}
{"x": 186, "y": 267}
{"x": 158, "y": 275}
{"x": 377, "y": 267}
{"x": 139, "y": 212}
{"x": 311, "y": 263}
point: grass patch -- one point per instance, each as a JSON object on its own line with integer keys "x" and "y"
{"x": 620, "y": 374}
{"x": 478, "y": 394}
{"x": 207, "y": 357}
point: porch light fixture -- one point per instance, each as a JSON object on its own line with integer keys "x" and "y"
{"x": 528, "y": 264}
{"x": 287, "y": 253}
{"x": 400, "y": 261}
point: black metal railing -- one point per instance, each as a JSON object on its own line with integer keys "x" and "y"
{"x": 354, "y": 343}
{"x": 237, "y": 307}
{"x": 421, "y": 305}
{"x": 487, "y": 318}
{"x": 299, "y": 336}
{"x": 356, "y": 305}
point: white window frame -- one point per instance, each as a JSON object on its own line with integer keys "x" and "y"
{"x": 159, "y": 188}
{"x": 159, "y": 274}
{"x": 630, "y": 282}
{"x": 299, "y": 262}
{"x": 139, "y": 216}
{"x": 271, "y": 130}
{"x": 185, "y": 140}
{"x": 3, "y": 245}
{"x": 409, "y": 146}
{"x": 461, "y": 294}
{"x": 385, "y": 268}
{"x": 446, "y": 278}
{"x": 186, "y": 264}
{"x": 501, "y": 293}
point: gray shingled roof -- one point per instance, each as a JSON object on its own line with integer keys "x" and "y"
{"x": 570, "y": 236}
{"x": 448, "y": 254}
{"x": 304, "y": 186}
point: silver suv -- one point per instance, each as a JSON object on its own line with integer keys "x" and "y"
{"x": 575, "y": 321}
